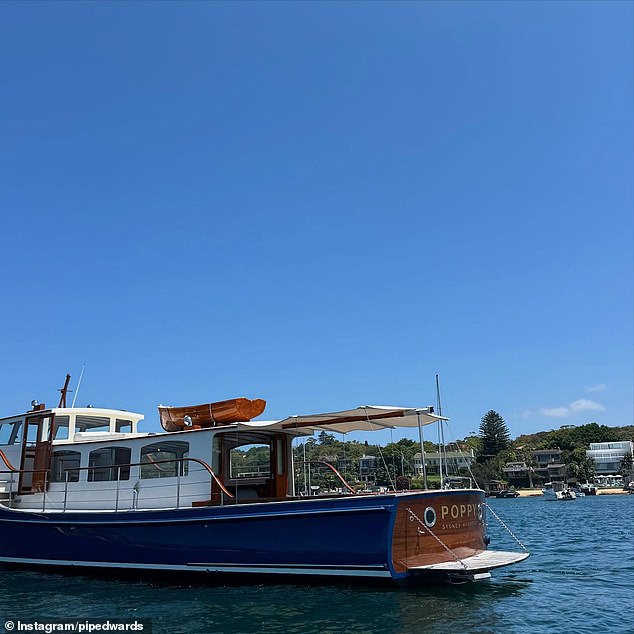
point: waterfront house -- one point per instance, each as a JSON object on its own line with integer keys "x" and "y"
{"x": 344, "y": 465}
{"x": 516, "y": 473}
{"x": 453, "y": 462}
{"x": 545, "y": 461}
{"x": 607, "y": 456}
{"x": 367, "y": 468}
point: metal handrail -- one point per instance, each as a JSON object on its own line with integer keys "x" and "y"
{"x": 11, "y": 468}
{"x": 207, "y": 468}
{"x": 333, "y": 469}
{"x": 67, "y": 470}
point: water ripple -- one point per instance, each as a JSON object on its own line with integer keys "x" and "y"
{"x": 579, "y": 578}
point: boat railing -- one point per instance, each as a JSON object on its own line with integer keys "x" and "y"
{"x": 308, "y": 478}
{"x": 7, "y": 462}
{"x": 180, "y": 472}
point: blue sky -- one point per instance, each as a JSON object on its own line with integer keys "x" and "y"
{"x": 320, "y": 204}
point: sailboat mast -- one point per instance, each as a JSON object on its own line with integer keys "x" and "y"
{"x": 441, "y": 436}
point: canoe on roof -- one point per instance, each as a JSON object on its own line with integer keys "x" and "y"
{"x": 235, "y": 410}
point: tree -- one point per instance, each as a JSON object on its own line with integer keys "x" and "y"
{"x": 625, "y": 467}
{"x": 385, "y": 474}
{"x": 484, "y": 472}
{"x": 326, "y": 439}
{"x": 494, "y": 434}
{"x": 584, "y": 467}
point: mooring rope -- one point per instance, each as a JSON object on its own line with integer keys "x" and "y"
{"x": 511, "y": 533}
{"x": 440, "y": 541}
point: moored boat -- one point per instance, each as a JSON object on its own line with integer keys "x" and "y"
{"x": 558, "y": 491}
{"x": 83, "y": 487}
{"x": 505, "y": 493}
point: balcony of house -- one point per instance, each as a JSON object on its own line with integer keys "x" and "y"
{"x": 556, "y": 471}
{"x": 543, "y": 457}
{"x": 548, "y": 464}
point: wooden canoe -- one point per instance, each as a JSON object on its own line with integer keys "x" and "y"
{"x": 235, "y": 410}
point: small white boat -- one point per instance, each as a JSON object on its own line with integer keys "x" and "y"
{"x": 558, "y": 491}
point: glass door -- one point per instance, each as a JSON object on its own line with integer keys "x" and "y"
{"x": 36, "y": 454}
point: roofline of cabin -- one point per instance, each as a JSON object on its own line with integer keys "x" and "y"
{"x": 86, "y": 411}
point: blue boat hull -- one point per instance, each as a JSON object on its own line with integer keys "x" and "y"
{"x": 350, "y": 537}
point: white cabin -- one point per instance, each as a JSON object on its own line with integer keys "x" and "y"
{"x": 83, "y": 459}
{"x": 95, "y": 459}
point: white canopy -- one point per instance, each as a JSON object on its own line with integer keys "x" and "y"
{"x": 363, "y": 418}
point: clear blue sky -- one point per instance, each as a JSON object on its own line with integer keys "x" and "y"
{"x": 320, "y": 204}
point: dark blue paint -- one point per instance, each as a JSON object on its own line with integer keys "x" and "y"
{"x": 333, "y": 533}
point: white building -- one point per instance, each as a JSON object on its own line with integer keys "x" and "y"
{"x": 367, "y": 468}
{"x": 455, "y": 460}
{"x": 607, "y": 456}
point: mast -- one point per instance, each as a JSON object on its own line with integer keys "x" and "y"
{"x": 441, "y": 436}
{"x": 64, "y": 390}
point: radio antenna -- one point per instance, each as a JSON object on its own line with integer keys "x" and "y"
{"x": 83, "y": 367}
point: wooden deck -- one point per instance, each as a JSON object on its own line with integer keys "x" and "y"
{"x": 483, "y": 561}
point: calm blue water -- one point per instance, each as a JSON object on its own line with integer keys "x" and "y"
{"x": 580, "y": 578}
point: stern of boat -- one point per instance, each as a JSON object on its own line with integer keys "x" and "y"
{"x": 443, "y": 535}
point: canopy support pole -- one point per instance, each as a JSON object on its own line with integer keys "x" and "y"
{"x": 422, "y": 450}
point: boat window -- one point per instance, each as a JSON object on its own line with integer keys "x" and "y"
{"x": 46, "y": 429}
{"x": 61, "y": 427}
{"x": 92, "y": 423}
{"x": 106, "y": 463}
{"x": 32, "y": 433}
{"x": 11, "y": 432}
{"x": 250, "y": 461}
{"x": 123, "y": 426}
{"x": 65, "y": 463}
{"x": 153, "y": 459}
{"x": 16, "y": 436}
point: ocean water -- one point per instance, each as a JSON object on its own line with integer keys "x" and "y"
{"x": 579, "y": 578}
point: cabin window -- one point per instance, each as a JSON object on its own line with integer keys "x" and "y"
{"x": 123, "y": 426}
{"x": 61, "y": 426}
{"x": 92, "y": 423}
{"x": 250, "y": 461}
{"x": 154, "y": 457}
{"x": 65, "y": 463}
{"x": 104, "y": 464}
{"x": 33, "y": 435}
{"x": 46, "y": 429}
{"x": 11, "y": 432}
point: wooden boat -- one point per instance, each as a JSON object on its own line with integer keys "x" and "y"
{"x": 235, "y": 410}
{"x": 82, "y": 487}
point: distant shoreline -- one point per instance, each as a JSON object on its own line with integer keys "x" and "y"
{"x": 530, "y": 493}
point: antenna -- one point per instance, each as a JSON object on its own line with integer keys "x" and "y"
{"x": 81, "y": 374}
